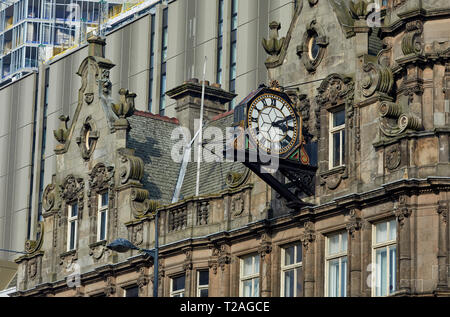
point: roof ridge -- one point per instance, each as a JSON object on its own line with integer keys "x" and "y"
{"x": 156, "y": 116}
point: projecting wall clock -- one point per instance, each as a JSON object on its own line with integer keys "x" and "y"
{"x": 272, "y": 123}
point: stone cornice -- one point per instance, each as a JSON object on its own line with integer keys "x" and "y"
{"x": 192, "y": 88}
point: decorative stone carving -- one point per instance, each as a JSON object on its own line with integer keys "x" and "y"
{"x": 178, "y": 219}
{"x": 393, "y": 157}
{"x": 354, "y": 224}
{"x": 393, "y": 122}
{"x": 220, "y": 257}
{"x": 132, "y": 167}
{"x": 140, "y": 204}
{"x": 33, "y": 246}
{"x": 72, "y": 189}
{"x": 124, "y": 108}
{"x": 334, "y": 90}
{"x": 358, "y": 9}
{"x": 62, "y": 132}
{"x": 110, "y": 287}
{"x": 142, "y": 280}
{"x": 202, "y": 213}
{"x": 309, "y": 234}
{"x": 401, "y": 211}
{"x": 89, "y": 97}
{"x": 137, "y": 236}
{"x": 273, "y": 45}
{"x": 105, "y": 82}
{"x": 398, "y": 3}
{"x": 187, "y": 265}
{"x": 97, "y": 250}
{"x": 33, "y": 268}
{"x": 443, "y": 210}
{"x": 313, "y": 33}
{"x": 378, "y": 78}
{"x": 50, "y": 198}
{"x": 88, "y": 138}
{"x": 265, "y": 246}
{"x": 100, "y": 177}
{"x": 235, "y": 179}
{"x": 334, "y": 177}
{"x": 313, "y": 2}
{"x": 237, "y": 205}
{"x": 412, "y": 42}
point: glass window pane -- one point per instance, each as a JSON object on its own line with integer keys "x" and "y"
{"x": 392, "y": 268}
{"x": 74, "y": 210}
{"x": 299, "y": 253}
{"x": 289, "y": 283}
{"x": 203, "y": 278}
{"x": 336, "y": 149}
{"x": 299, "y": 282}
{"x": 105, "y": 199}
{"x": 256, "y": 287}
{"x": 256, "y": 268}
{"x": 289, "y": 256}
{"x": 103, "y": 226}
{"x": 204, "y": 293}
{"x": 333, "y": 244}
{"x": 343, "y": 147}
{"x": 72, "y": 235}
{"x": 333, "y": 278}
{"x": 248, "y": 262}
{"x": 338, "y": 118}
{"x": 381, "y": 232}
{"x": 344, "y": 242}
{"x": 178, "y": 283}
{"x": 393, "y": 229}
{"x": 132, "y": 292}
{"x": 247, "y": 288}
{"x": 381, "y": 269}
{"x": 344, "y": 277}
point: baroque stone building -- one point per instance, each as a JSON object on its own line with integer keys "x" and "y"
{"x": 375, "y": 109}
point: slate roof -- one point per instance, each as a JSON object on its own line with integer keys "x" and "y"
{"x": 150, "y": 136}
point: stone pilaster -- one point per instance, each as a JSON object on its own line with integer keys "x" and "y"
{"x": 265, "y": 252}
{"x": 443, "y": 245}
{"x": 354, "y": 230}
{"x": 403, "y": 213}
{"x": 308, "y": 239}
{"x": 367, "y": 268}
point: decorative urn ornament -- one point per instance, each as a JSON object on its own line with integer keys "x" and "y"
{"x": 125, "y": 108}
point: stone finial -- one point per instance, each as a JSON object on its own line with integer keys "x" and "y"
{"x": 62, "y": 132}
{"x": 358, "y": 8}
{"x": 273, "y": 45}
{"x": 125, "y": 108}
{"x": 96, "y": 46}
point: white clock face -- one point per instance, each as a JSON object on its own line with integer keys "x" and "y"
{"x": 272, "y": 123}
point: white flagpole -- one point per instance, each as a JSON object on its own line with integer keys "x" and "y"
{"x": 200, "y": 137}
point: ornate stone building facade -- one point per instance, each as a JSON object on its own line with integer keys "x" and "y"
{"x": 375, "y": 108}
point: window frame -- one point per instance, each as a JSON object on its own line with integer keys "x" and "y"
{"x": 284, "y": 268}
{"x": 253, "y": 276}
{"x": 381, "y": 245}
{"x": 333, "y": 130}
{"x": 203, "y": 286}
{"x": 340, "y": 255}
{"x": 180, "y": 291}
{"x": 100, "y": 209}
{"x": 130, "y": 287}
{"x": 71, "y": 219}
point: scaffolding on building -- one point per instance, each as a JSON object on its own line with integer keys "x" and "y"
{"x": 33, "y": 31}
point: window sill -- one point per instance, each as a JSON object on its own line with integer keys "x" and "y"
{"x": 98, "y": 243}
{"x": 334, "y": 170}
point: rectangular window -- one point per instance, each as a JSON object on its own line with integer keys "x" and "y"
{"x": 152, "y": 63}
{"x": 72, "y": 219}
{"x": 384, "y": 256}
{"x": 219, "y": 42}
{"x": 102, "y": 216}
{"x": 233, "y": 48}
{"x": 292, "y": 271}
{"x": 202, "y": 283}
{"x": 165, "y": 34}
{"x": 177, "y": 286}
{"x": 337, "y": 139}
{"x": 336, "y": 265}
{"x": 249, "y": 277}
{"x": 132, "y": 291}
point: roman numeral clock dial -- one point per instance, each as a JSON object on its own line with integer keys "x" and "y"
{"x": 272, "y": 124}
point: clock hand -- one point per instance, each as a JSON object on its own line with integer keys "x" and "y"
{"x": 279, "y": 122}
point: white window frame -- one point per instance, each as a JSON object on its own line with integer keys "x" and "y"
{"x": 294, "y": 267}
{"x": 388, "y": 244}
{"x": 253, "y": 276}
{"x": 333, "y": 130}
{"x": 340, "y": 255}
{"x": 202, "y": 287}
{"x": 180, "y": 291}
{"x": 71, "y": 219}
{"x": 100, "y": 210}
